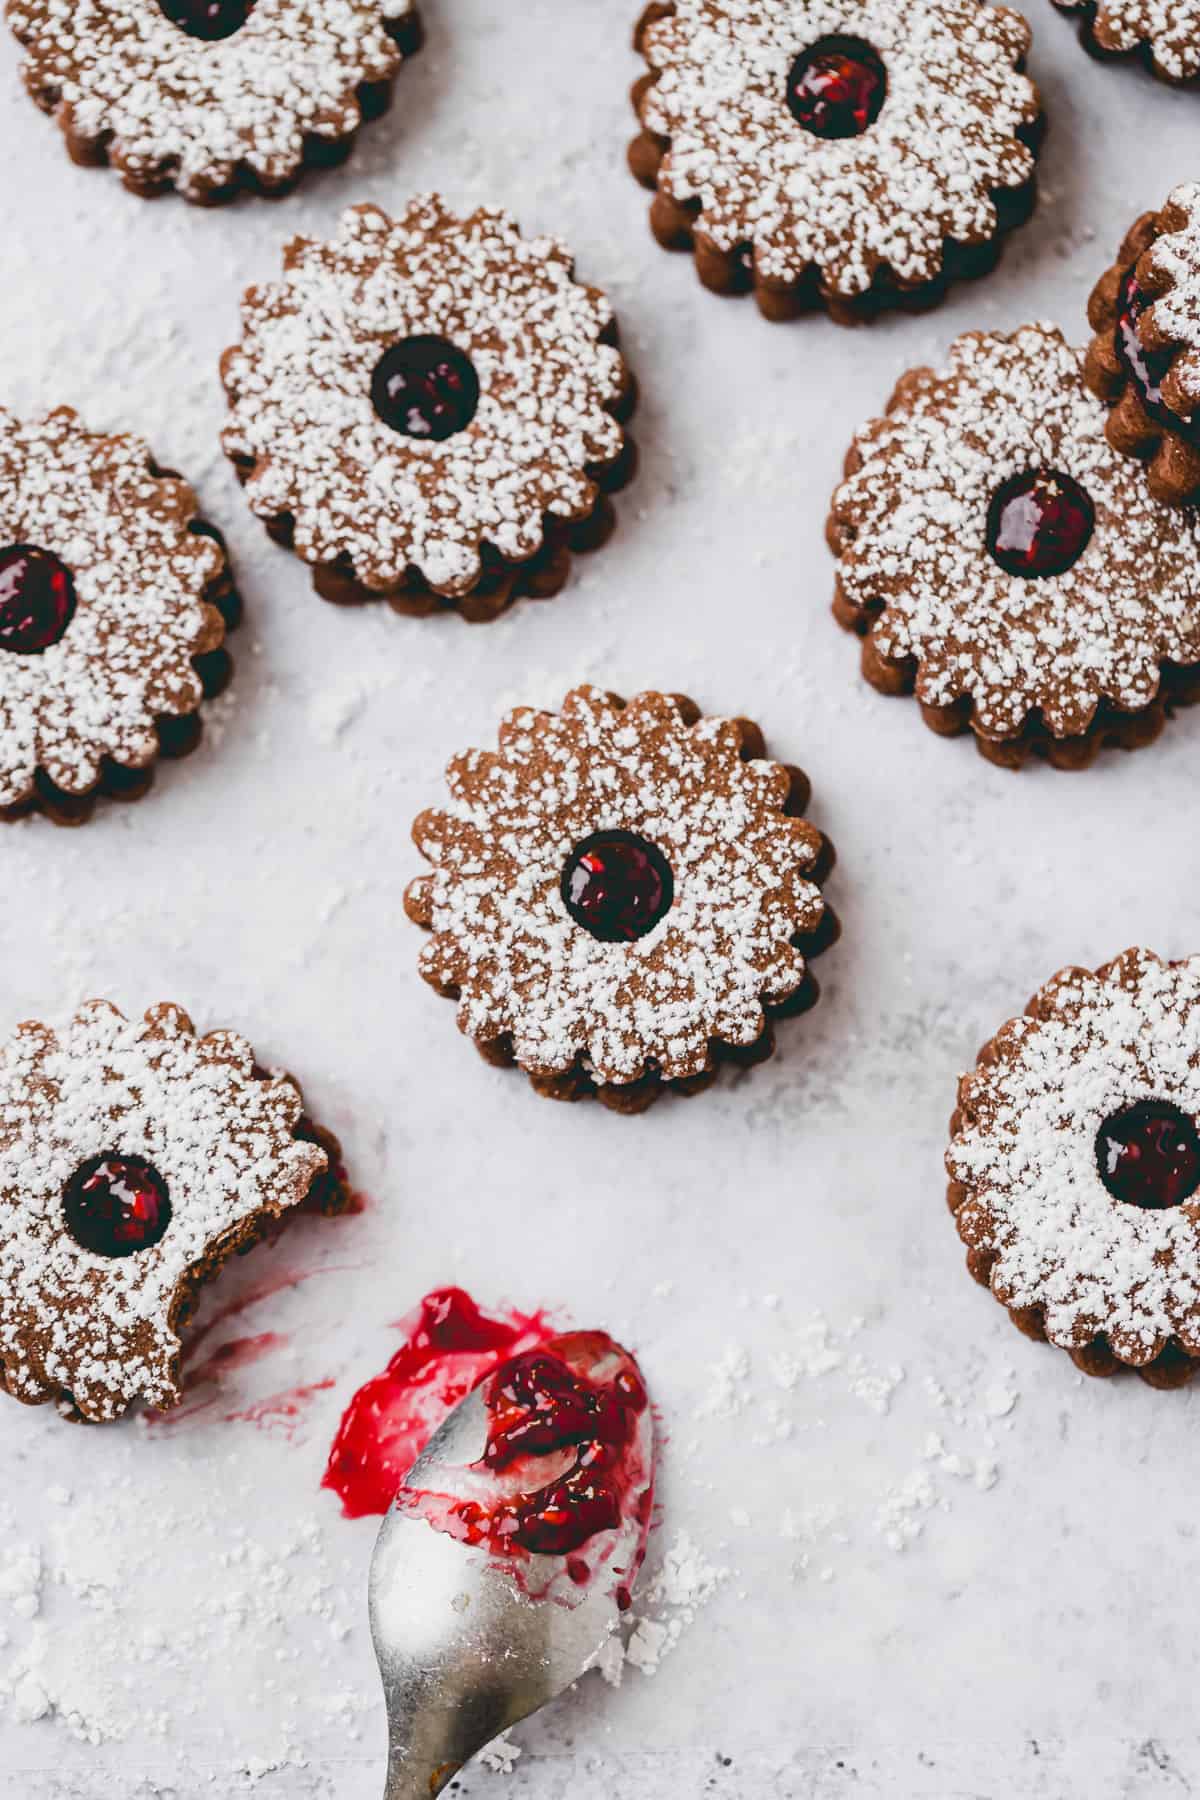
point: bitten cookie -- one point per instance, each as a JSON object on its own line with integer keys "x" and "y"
{"x": 212, "y": 97}
{"x": 1144, "y": 360}
{"x": 622, "y": 897}
{"x": 427, "y": 410}
{"x": 135, "y": 1159}
{"x": 847, "y": 157}
{"x": 1074, "y": 1166}
{"x": 1164, "y": 33}
{"x": 1001, "y": 560}
{"x": 115, "y": 597}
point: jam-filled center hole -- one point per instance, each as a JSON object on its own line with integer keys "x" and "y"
{"x": 208, "y": 20}
{"x": 1148, "y": 1155}
{"x": 837, "y": 87}
{"x": 617, "y": 886}
{"x": 37, "y": 599}
{"x": 425, "y": 387}
{"x": 1039, "y": 523}
{"x": 116, "y": 1205}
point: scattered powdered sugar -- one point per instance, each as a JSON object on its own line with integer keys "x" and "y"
{"x": 1026, "y": 1156}
{"x": 1175, "y": 315}
{"x": 924, "y": 171}
{"x": 501, "y": 1755}
{"x": 1170, "y": 28}
{"x": 503, "y": 937}
{"x": 99, "y": 1329}
{"x": 304, "y": 425}
{"x": 914, "y": 524}
{"x": 168, "y": 103}
{"x": 139, "y": 578}
{"x": 684, "y": 1581}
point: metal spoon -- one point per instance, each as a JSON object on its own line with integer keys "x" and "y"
{"x": 463, "y": 1649}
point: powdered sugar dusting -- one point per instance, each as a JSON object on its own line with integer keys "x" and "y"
{"x": 166, "y": 103}
{"x": 923, "y": 172}
{"x": 1169, "y": 28}
{"x": 1175, "y": 258}
{"x": 914, "y": 521}
{"x": 101, "y": 1331}
{"x": 1026, "y": 1155}
{"x": 502, "y": 934}
{"x": 304, "y": 425}
{"x": 140, "y": 577}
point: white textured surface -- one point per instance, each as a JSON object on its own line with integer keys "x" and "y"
{"x": 1034, "y": 1639}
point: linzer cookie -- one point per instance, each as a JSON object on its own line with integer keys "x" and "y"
{"x": 115, "y": 597}
{"x": 135, "y": 1159}
{"x": 623, "y": 897}
{"x": 850, "y": 158}
{"x": 1144, "y": 360}
{"x": 1074, "y": 1167}
{"x": 1164, "y": 33}
{"x": 212, "y": 97}
{"x": 427, "y": 410}
{"x": 1001, "y": 560}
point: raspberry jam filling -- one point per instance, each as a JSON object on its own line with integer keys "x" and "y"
{"x": 577, "y": 1402}
{"x": 1147, "y": 369}
{"x": 1148, "y": 1155}
{"x": 836, "y": 87}
{"x": 450, "y": 1347}
{"x": 37, "y": 599}
{"x": 1039, "y": 523}
{"x": 424, "y": 387}
{"x": 209, "y": 20}
{"x": 617, "y": 886}
{"x": 116, "y": 1205}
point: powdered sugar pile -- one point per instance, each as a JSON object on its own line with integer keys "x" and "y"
{"x": 203, "y": 110}
{"x": 922, "y": 173}
{"x": 914, "y": 524}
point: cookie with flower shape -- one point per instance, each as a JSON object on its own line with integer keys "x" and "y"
{"x": 999, "y": 558}
{"x": 623, "y": 896}
{"x": 852, "y": 156}
{"x": 1144, "y": 359}
{"x": 212, "y": 97}
{"x": 1165, "y": 34}
{"x": 1074, "y": 1166}
{"x": 135, "y": 1158}
{"x": 115, "y": 598}
{"x": 428, "y": 410}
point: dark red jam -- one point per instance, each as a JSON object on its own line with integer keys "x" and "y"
{"x": 425, "y": 387}
{"x": 37, "y": 599}
{"x": 209, "y": 20}
{"x": 617, "y": 886}
{"x": 541, "y": 1405}
{"x": 836, "y": 87}
{"x": 1147, "y": 369}
{"x": 1148, "y": 1155}
{"x": 450, "y": 1347}
{"x": 1039, "y": 523}
{"x": 116, "y": 1205}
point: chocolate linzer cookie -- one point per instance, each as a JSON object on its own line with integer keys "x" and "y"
{"x": 428, "y": 410}
{"x": 1001, "y": 560}
{"x": 135, "y": 1159}
{"x": 622, "y": 897}
{"x": 1164, "y": 33}
{"x": 1074, "y": 1166}
{"x": 848, "y": 161}
{"x": 1144, "y": 360}
{"x": 115, "y": 597}
{"x": 212, "y": 97}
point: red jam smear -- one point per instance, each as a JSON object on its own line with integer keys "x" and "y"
{"x": 617, "y": 886}
{"x": 450, "y": 1347}
{"x": 1148, "y": 1155}
{"x": 1147, "y": 369}
{"x": 1039, "y": 524}
{"x": 542, "y": 1404}
{"x": 116, "y": 1205}
{"x": 836, "y": 88}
